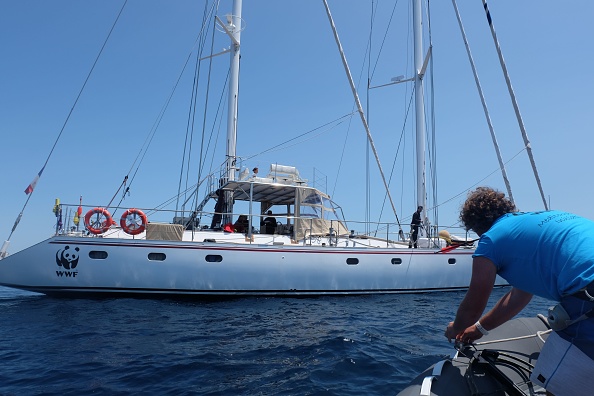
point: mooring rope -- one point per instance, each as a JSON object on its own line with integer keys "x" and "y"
{"x": 538, "y": 334}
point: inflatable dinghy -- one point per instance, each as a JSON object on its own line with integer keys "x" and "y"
{"x": 497, "y": 364}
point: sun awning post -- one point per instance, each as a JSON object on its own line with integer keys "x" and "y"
{"x": 251, "y": 211}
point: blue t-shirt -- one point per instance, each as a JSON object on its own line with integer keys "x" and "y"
{"x": 549, "y": 254}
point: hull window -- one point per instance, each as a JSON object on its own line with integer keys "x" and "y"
{"x": 98, "y": 254}
{"x": 451, "y": 261}
{"x": 396, "y": 261}
{"x": 352, "y": 261}
{"x": 156, "y": 256}
{"x": 214, "y": 258}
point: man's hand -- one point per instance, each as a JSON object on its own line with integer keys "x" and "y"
{"x": 469, "y": 335}
{"x": 451, "y": 333}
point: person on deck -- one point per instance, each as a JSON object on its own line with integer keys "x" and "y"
{"x": 549, "y": 254}
{"x": 415, "y": 224}
{"x": 269, "y": 223}
{"x": 219, "y": 209}
{"x": 242, "y": 224}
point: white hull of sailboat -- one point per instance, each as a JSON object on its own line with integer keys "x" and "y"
{"x": 78, "y": 265}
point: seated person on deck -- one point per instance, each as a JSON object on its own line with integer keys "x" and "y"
{"x": 242, "y": 224}
{"x": 268, "y": 225}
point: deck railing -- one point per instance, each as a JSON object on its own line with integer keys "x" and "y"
{"x": 388, "y": 233}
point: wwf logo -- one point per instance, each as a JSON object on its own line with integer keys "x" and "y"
{"x": 67, "y": 258}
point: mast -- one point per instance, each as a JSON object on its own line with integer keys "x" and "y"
{"x": 233, "y": 28}
{"x": 419, "y": 103}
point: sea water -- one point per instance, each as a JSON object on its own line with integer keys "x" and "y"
{"x": 358, "y": 345}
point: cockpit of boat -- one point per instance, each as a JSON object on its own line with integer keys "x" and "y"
{"x": 305, "y": 209}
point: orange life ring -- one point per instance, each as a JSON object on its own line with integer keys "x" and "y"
{"x": 100, "y": 223}
{"x": 133, "y": 221}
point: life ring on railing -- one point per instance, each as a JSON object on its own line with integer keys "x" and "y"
{"x": 98, "y": 220}
{"x": 133, "y": 221}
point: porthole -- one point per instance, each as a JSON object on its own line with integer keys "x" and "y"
{"x": 156, "y": 256}
{"x": 213, "y": 258}
{"x": 451, "y": 261}
{"x": 352, "y": 261}
{"x": 98, "y": 254}
{"x": 396, "y": 261}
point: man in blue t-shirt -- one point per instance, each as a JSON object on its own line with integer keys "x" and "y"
{"x": 550, "y": 254}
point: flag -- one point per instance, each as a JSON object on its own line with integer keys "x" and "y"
{"x": 31, "y": 186}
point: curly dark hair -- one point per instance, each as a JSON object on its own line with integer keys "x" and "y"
{"x": 482, "y": 207}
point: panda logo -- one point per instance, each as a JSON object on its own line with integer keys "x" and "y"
{"x": 67, "y": 258}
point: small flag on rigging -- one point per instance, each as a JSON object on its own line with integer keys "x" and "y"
{"x": 31, "y": 186}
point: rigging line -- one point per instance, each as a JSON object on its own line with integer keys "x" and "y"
{"x": 153, "y": 131}
{"x": 170, "y": 200}
{"x": 116, "y": 193}
{"x": 409, "y": 66}
{"x": 201, "y": 158}
{"x": 433, "y": 158}
{"x": 192, "y": 111}
{"x": 166, "y": 104}
{"x": 361, "y": 114}
{"x": 187, "y": 145}
{"x": 367, "y": 173}
{"x": 303, "y": 134}
{"x": 515, "y": 104}
{"x": 484, "y": 103}
{"x": 187, "y": 151}
{"x": 86, "y": 80}
{"x": 218, "y": 113}
{"x": 342, "y": 155}
{"x": 432, "y": 144}
{"x": 367, "y": 53}
{"x": 384, "y": 39}
{"x": 538, "y": 334}
{"x": 483, "y": 179}
{"x": 207, "y": 95}
{"x": 68, "y": 117}
{"x": 402, "y": 135}
{"x": 296, "y": 143}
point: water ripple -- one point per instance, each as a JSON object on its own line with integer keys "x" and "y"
{"x": 370, "y": 345}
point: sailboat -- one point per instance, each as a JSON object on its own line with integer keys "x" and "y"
{"x": 304, "y": 248}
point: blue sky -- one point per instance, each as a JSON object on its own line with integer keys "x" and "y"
{"x": 292, "y": 82}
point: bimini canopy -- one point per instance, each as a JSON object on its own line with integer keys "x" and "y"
{"x": 313, "y": 212}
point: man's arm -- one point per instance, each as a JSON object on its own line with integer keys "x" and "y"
{"x": 481, "y": 285}
{"x": 506, "y": 308}
{"x": 477, "y": 296}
